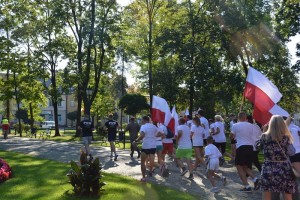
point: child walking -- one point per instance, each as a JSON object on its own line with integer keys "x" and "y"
{"x": 212, "y": 153}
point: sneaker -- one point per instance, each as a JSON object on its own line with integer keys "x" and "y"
{"x": 256, "y": 184}
{"x": 184, "y": 171}
{"x": 224, "y": 180}
{"x": 215, "y": 190}
{"x": 191, "y": 177}
{"x": 143, "y": 180}
{"x": 246, "y": 189}
{"x": 116, "y": 157}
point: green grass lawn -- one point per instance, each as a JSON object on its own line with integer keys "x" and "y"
{"x": 44, "y": 179}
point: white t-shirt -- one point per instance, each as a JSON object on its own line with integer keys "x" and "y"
{"x": 211, "y": 151}
{"x": 292, "y": 125}
{"x": 149, "y": 141}
{"x": 185, "y": 139}
{"x": 256, "y": 134}
{"x": 189, "y": 123}
{"x": 198, "y": 135}
{"x": 204, "y": 122}
{"x": 220, "y": 137}
{"x": 296, "y": 139}
{"x": 164, "y": 130}
{"x": 243, "y": 132}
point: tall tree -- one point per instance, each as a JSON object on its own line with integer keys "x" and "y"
{"x": 93, "y": 27}
{"x": 52, "y": 44}
{"x": 143, "y": 15}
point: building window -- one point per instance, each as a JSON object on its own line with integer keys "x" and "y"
{"x": 59, "y": 103}
{"x": 59, "y": 118}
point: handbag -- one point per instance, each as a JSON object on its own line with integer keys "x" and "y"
{"x": 295, "y": 172}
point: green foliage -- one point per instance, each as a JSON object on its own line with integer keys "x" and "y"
{"x": 72, "y": 115}
{"x": 24, "y": 127}
{"x": 133, "y": 103}
{"x": 23, "y": 115}
{"x": 85, "y": 178}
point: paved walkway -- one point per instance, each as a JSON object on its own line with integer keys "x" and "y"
{"x": 66, "y": 151}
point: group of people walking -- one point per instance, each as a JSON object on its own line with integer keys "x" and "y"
{"x": 279, "y": 142}
{"x": 206, "y": 140}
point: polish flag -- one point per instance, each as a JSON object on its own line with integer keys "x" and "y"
{"x": 260, "y": 91}
{"x": 160, "y": 111}
{"x": 174, "y": 121}
{"x": 264, "y": 117}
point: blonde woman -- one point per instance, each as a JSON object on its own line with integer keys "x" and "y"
{"x": 277, "y": 175}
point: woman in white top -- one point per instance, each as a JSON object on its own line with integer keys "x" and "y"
{"x": 198, "y": 134}
{"x": 295, "y": 159}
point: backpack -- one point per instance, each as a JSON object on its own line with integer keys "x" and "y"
{"x": 170, "y": 134}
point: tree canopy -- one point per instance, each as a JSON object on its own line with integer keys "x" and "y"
{"x": 193, "y": 53}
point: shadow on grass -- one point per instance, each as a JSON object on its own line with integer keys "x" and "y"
{"x": 44, "y": 179}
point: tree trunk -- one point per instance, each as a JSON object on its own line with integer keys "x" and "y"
{"x": 31, "y": 117}
{"x": 79, "y": 99}
{"x": 55, "y": 109}
{"x": 7, "y": 77}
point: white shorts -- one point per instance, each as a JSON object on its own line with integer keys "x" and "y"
{"x": 87, "y": 140}
{"x": 213, "y": 164}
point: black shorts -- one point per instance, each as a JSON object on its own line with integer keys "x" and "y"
{"x": 149, "y": 151}
{"x": 111, "y": 137}
{"x": 205, "y": 142}
{"x": 221, "y": 146}
{"x": 233, "y": 141}
{"x": 295, "y": 158}
{"x": 244, "y": 155}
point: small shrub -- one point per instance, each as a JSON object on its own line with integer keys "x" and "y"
{"x": 24, "y": 127}
{"x": 85, "y": 178}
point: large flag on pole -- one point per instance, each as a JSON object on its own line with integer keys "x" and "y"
{"x": 260, "y": 91}
{"x": 160, "y": 111}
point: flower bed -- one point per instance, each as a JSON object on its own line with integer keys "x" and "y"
{"x": 5, "y": 171}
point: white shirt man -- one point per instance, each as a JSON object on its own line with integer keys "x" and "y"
{"x": 243, "y": 133}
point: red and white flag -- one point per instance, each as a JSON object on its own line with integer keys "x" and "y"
{"x": 264, "y": 117}
{"x": 160, "y": 111}
{"x": 174, "y": 121}
{"x": 260, "y": 91}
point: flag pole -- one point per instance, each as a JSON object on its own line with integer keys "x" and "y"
{"x": 246, "y": 73}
